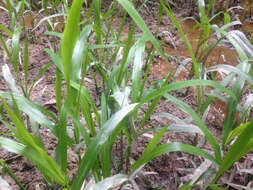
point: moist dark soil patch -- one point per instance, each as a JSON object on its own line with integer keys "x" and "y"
{"x": 163, "y": 172}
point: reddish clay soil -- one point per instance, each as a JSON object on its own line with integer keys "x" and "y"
{"x": 163, "y": 172}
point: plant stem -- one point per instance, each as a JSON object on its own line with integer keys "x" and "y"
{"x": 11, "y": 174}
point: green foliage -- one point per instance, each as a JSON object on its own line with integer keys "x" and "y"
{"x": 95, "y": 48}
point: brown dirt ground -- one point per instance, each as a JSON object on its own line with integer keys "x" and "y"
{"x": 165, "y": 171}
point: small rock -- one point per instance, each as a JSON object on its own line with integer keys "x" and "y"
{"x": 4, "y": 185}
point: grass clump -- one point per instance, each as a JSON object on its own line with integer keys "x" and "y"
{"x": 94, "y": 46}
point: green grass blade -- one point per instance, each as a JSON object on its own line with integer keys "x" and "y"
{"x": 231, "y": 109}
{"x": 21, "y": 131}
{"x": 34, "y": 111}
{"x": 69, "y": 39}
{"x": 86, "y": 109}
{"x": 80, "y": 126}
{"x": 88, "y": 160}
{"x": 11, "y": 174}
{"x": 104, "y": 109}
{"x": 216, "y": 92}
{"x": 5, "y": 47}
{"x": 55, "y": 3}
{"x": 16, "y": 48}
{"x": 11, "y": 16}
{"x": 30, "y": 105}
{"x": 127, "y": 5}
{"x": 153, "y": 105}
{"x": 36, "y": 133}
{"x": 105, "y": 149}
{"x": 183, "y": 84}
{"x": 108, "y": 183}
{"x": 236, "y": 132}
{"x": 204, "y": 21}
{"x": 186, "y": 187}
{"x": 26, "y": 57}
{"x": 56, "y": 59}
{"x": 106, "y": 159}
{"x": 34, "y": 152}
{"x": 59, "y": 72}
{"x": 244, "y": 50}
{"x": 15, "y": 108}
{"x": 137, "y": 70}
{"x": 5, "y": 29}
{"x": 58, "y": 91}
{"x": 78, "y": 53}
{"x": 233, "y": 38}
{"x": 227, "y": 18}
{"x": 45, "y": 7}
{"x": 152, "y": 144}
{"x": 198, "y": 121}
{"x": 41, "y": 72}
{"x": 46, "y": 165}
{"x": 11, "y": 128}
{"x": 96, "y": 4}
{"x": 11, "y": 145}
{"x": 62, "y": 137}
{"x": 171, "y": 147}
{"x": 215, "y": 187}
{"x": 188, "y": 45}
{"x": 56, "y": 34}
{"x": 240, "y": 147}
{"x": 85, "y": 93}
{"x": 22, "y": 7}
{"x": 243, "y": 75}
{"x": 9, "y": 79}
{"x": 126, "y": 55}
{"x": 210, "y": 6}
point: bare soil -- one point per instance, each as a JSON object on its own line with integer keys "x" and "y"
{"x": 163, "y": 172}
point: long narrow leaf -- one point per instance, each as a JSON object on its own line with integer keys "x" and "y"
{"x": 89, "y": 158}
{"x": 184, "y": 84}
{"x": 108, "y": 183}
{"x": 188, "y": 45}
{"x": 70, "y": 37}
{"x": 137, "y": 69}
{"x": 15, "y": 48}
{"x": 241, "y": 146}
{"x": 171, "y": 147}
{"x": 209, "y": 136}
{"x": 78, "y": 53}
{"x": 33, "y": 151}
{"x": 141, "y": 24}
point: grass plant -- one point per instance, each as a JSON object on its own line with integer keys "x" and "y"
{"x": 93, "y": 46}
